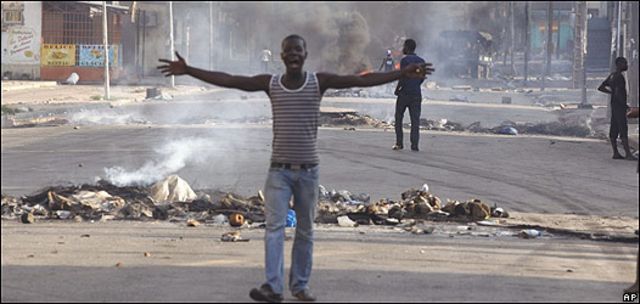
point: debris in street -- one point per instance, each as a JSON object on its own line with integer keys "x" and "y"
{"x": 345, "y": 221}
{"x": 119, "y": 264}
{"x": 104, "y": 201}
{"x": 233, "y": 236}
{"x": 27, "y": 218}
{"x": 291, "y": 220}
{"x": 350, "y": 119}
{"x": 529, "y": 234}
{"x": 220, "y": 219}
{"x": 236, "y": 219}
{"x": 193, "y": 223}
{"x": 147, "y": 254}
{"x": 461, "y": 87}
{"x": 460, "y": 98}
{"x": 85, "y": 235}
{"x": 172, "y": 189}
{"x": 508, "y": 130}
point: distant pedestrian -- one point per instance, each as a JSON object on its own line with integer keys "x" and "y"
{"x": 615, "y": 85}
{"x": 387, "y": 63}
{"x": 265, "y": 58}
{"x": 409, "y": 96}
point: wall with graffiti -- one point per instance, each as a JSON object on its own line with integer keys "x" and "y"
{"x": 21, "y": 31}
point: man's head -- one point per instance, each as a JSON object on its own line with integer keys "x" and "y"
{"x": 294, "y": 53}
{"x": 621, "y": 64}
{"x": 409, "y": 46}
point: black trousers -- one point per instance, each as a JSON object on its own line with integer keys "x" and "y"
{"x": 414, "y": 103}
{"x": 619, "y": 125}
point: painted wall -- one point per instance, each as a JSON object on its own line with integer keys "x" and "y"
{"x": 21, "y": 43}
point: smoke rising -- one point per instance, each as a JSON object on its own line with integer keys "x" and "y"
{"x": 173, "y": 156}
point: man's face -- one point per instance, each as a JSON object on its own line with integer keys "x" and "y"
{"x": 293, "y": 54}
{"x": 623, "y": 65}
{"x": 405, "y": 50}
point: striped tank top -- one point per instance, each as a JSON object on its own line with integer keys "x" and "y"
{"x": 295, "y": 121}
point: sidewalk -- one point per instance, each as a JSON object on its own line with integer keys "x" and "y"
{"x": 49, "y": 93}
{"x": 15, "y": 85}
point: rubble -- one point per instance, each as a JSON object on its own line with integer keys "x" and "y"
{"x": 351, "y": 119}
{"x": 104, "y": 201}
{"x": 233, "y": 236}
{"x": 172, "y": 189}
{"x": 193, "y": 223}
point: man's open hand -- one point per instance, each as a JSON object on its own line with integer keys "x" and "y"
{"x": 418, "y": 70}
{"x": 174, "y": 67}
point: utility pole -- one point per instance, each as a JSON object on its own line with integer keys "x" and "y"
{"x": 615, "y": 36}
{"x": 172, "y": 48}
{"x": 526, "y": 43}
{"x": 549, "y": 37}
{"x": 512, "y": 33}
{"x": 105, "y": 42}
{"x": 580, "y": 51}
{"x": 558, "y": 38}
{"x": 619, "y": 41}
{"x": 505, "y": 46}
{"x": 547, "y": 70}
{"x": 210, "y": 35}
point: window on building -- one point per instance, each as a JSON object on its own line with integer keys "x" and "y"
{"x": 12, "y": 14}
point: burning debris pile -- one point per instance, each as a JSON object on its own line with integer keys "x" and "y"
{"x": 439, "y": 125}
{"x": 169, "y": 199}
{"x": 351, "y": 119}
{"x": 555, "y": 128}
{"x": 414, "y": 204}
{"x": 172, "y": 199}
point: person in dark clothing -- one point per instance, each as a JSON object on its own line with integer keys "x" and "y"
{"x": 387, "y": 63}
{"x": 409, "y": 96}
{"x": 615, "y": 85}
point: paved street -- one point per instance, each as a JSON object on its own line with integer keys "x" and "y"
{"x": 529, "y": 174}
{"x": 53, "y": 262}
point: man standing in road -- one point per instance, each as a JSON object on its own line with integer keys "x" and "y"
{"x": 615, "y": 85}
{"x": 409, "y": 96}
{"x": 295, "y": 102}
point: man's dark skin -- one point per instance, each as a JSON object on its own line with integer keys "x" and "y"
{"x": 293, "y": 55}
{"x": 621, "y": 66}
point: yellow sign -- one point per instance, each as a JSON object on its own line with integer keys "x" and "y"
{"x": 58, "y": 55}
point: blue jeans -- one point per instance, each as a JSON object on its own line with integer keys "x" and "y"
{"x": 414, "y": 104}
{"x": 280, "y": 186}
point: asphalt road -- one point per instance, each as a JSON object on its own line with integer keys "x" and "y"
{"x": 527, "y": 174}
{"x": 52, "y": 262}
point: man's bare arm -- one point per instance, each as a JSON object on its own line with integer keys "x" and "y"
{"x": 251, "y": 84}
{"x": 332, "y": 81}
{"x": 245, "y": 83}
{"x": 603, "y": 86}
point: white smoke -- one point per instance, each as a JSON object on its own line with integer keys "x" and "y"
{"x": 174, "y": 156}
{"x": 105, "y": 117}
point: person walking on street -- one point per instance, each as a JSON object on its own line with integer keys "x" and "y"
{"x": 615, "y": 85}
{"x": 409, "y": 96}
